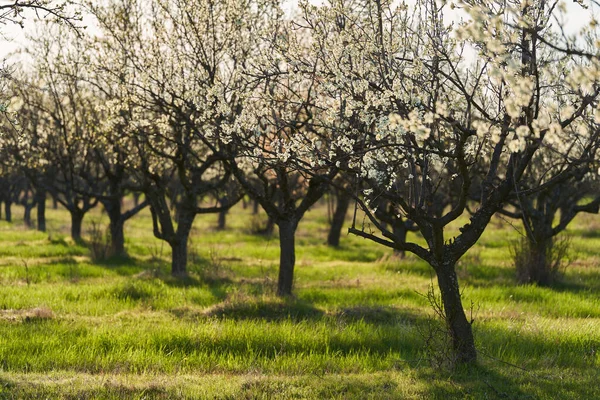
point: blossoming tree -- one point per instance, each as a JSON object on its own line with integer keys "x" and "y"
{"x": 179, "y": 67}
{"x": 415, "y": 112}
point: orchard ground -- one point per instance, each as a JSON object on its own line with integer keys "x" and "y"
{"x": 357, "y": 327}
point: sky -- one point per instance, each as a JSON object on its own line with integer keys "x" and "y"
{"x": 12, "y": 36}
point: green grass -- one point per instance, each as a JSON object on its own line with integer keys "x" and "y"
{"x": 71, "y": 328}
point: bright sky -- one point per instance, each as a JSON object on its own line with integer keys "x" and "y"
{"x": 11, "y": 35}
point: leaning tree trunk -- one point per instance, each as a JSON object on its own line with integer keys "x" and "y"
{"x": 459, "y": 328}
{"x": 287, "y": 257}
{"x": 339, "y": 216}
{"x": 41, "y": 210}
{"x": 76, "y": 222}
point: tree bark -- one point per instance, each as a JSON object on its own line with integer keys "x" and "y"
{"x": 178, "y": 258}
{"x": 27, "y": 213}
{"x": 536, "y": 265}
{"x": 540, "y": 264}
{"x": 8, "y": 210}
{"x": 116, "y": 226}
{"x": 221, "y": 222}
{"x": 399, "y": 230}
{"x": 179, "y": 246}
{"x": 339, "y": 216}
{"x": 459, "y": 328}
{"x": 287, "y": 257}
{"x": 76, "y": 222}
{"x": 41, "y": 210}
{"x": 136, "y": 199}
{"x": 270, "y": 227}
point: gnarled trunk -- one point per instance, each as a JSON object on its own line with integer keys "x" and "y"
{"x": 339, "y": 216}
{"x": 459, "y": 328}
{"x": 287, "y": 256}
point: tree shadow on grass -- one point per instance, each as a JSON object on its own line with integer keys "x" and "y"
{"x": 301, "y": 310}
{"x": 327, "y": 387}
{"x": 378, "y": 315}
{"x": 127, "y": 266}
{"x": 18, "y": 390}
{"x": 473, "y": 382}
{"x": 267, "y": 310}
{"x": 495, "y": 380}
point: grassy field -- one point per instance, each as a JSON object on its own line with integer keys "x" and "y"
{"x": 71, "y": 328}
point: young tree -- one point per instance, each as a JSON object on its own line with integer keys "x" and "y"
{"x": 416, "y": 112}
{"x": 273, "y": 133}
{"x": 58, "y": 115}
{"x": 546, "y": 212}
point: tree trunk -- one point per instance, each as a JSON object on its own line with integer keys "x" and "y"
{"x": 399, "y": 230}
{"x": 270, "y": 227}
{"x": 117, "y": 237}
{"x": 136, "y": 199}
{"x": 41, "y": 210}
{"x": 76, "y": 222}
{"x": 179, "y": 258}
{"x": 287, "y": 257}
{"x": 27, "y": 214}
{"x": 255, "y": 205}
{"x": 339, "y": 216}
{"x": 459, "y": 327}
{"x": 0, "y": 209}
{"x": 8, "y": 210}
{"x": 535, "y": 264}
{"x": 179, "y": 246}
{"x": 540, "y": 268}
{"x": 222, "y": 220}
{"x": 54, "y": 203}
